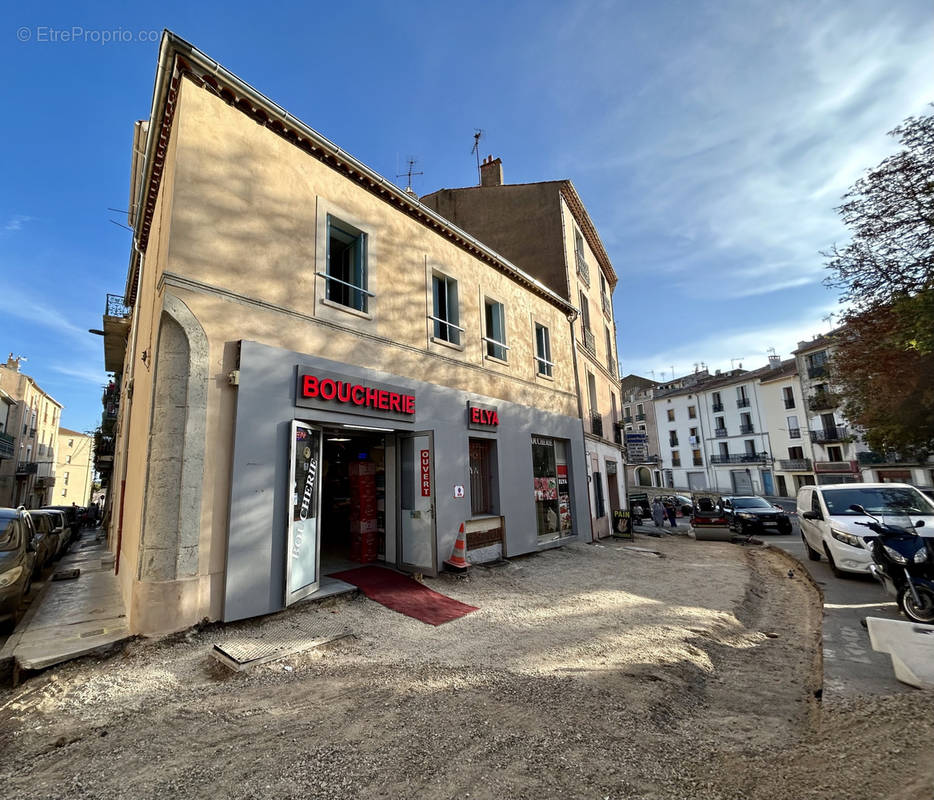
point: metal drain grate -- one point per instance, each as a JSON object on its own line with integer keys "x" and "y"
{"x": 243, "y": 652}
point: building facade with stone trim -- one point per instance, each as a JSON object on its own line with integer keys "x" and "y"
{"x": 319, "y": 370}
{"x": 29, "y": 441}
{"x": 544, "y": 228}
{"x": 74, "y": 468}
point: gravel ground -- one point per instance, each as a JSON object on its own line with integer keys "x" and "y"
{"x": 592, "y": 671}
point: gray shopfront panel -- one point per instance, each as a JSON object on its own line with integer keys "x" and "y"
{"x": 259, "y": 494}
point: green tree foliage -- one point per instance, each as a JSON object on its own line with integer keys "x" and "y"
{"x": 884, "y": 358}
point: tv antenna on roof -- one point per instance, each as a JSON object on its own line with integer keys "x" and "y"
{"x": 408, "y": 175}
{"x": 477, "y": 135}
{"x": 829, "y": 318}
{"x": 734, "y": 360}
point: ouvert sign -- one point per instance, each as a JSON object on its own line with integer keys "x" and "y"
{"x": 332, "y": 392}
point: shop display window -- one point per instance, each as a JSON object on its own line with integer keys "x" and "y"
{"x": 551, "y": 487}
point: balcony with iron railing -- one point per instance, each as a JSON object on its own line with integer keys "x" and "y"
{"x": 836, "y": 466}
{"x": 833, "y": 434}
{"x": 742, "y": 402}
{"x": 822, "y": 401}
{"x": 6, "y": 445}
{"x": 627, "y": 420}
{"x": 741, "y": 458}
{"x": 640, "y": 417}
{"x": 717, "y": 407}
{"x": 596, "y": 423}
{"x": 817, "y": 371}
{"x": 582, "y": 269}
{"x": 589, "y": 342}
{"x": 698, "y": 462}
{"x": 611, "y": 366}
{"x": 27, "y": 468}
{"x": 794, "y": 433}
{"x": 116, "y": 307}
{"x": 891, "y": 457}
{"x": 795, "y": 464}
{"x": 747, "y": 428}
{"x": 607, "y": 306}
{"x": 116, "y": 330}
{"x": 789, "y": 402}
{"x": 720, "y": 433}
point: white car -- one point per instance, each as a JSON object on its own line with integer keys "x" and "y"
{"x": 829, "y": 529}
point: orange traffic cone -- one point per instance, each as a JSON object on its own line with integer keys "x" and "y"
{"x": 458, "y": 559}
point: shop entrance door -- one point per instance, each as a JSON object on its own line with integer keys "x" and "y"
{"x": 302, "y": 573}
{"x": 417, "y": 542}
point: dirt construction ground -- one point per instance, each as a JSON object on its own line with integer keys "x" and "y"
{"x": 592, "y": 671}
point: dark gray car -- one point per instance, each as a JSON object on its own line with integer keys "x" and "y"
{"x": 752, "y": 514}
{"x": 50, "y": 528}
{"x": 17, "y": 559}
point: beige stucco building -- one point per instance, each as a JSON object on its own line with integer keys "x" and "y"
{"x": 786, "y": 420}
{"x": 27, "y": 473}
{"x": 318, "y": 370}
{"x": 545, "y": 229}
{"x": 74, "y": 468}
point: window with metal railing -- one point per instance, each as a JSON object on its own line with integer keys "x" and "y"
{"x": 495, "y": 338}
{"x": 346, "y": 270}
{"x": 543, "y": 362}
{"x": 445, "y": 306}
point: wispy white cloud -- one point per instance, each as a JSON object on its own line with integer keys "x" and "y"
{"x": 761, "y": 115}
{"x": 87, "y": 374}
{"x": 45, "y": 313}
{"x": 16, "y": 222}
{"x": 724, "y": 347}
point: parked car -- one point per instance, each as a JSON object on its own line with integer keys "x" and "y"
{"x": 828, "y": 524}
{"x": 71, "y": 521}
{"x": 17, "y": 559}
{"x": 61, "y": 525}
{"x": 749, "y": 514}
{"x": 49, "y": 529}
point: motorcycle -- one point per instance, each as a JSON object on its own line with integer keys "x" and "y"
{"x": 903, "y": 564}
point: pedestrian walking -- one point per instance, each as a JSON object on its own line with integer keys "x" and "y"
{"x": 658, "y": 513}
{"x": 672, "y": 513}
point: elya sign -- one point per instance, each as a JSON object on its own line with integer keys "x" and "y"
{"x": 483, "y": 418}
{"x": 331, "y": 392}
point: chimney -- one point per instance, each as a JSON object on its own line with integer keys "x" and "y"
{"x": 13, "y": 363}
{"x": 775, "y": 362}
{"x": 491, "y": 172}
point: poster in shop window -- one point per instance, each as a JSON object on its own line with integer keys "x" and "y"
{"x": 551, "y": 487}
{"x": 302, "y": 553}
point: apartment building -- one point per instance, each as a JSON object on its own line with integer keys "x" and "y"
{"x": 712, "y": 433}
{"x": 74, "y": 468}
{"x": 786, "y": 420}
{"x": 681, "y": 432}
{"x": 640, "y": 435}
{"x": 835, "y": 443}
{"x": 28, "y": 440}
{"x": 545, "y": 229}
{"x": 318, "y": 370}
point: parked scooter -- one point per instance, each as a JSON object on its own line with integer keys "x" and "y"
{"x": 903, "y": 564}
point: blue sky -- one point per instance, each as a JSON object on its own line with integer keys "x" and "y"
{"x": 710, "y": 142}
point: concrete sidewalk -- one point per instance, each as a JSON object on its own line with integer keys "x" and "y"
{"x": 74, "y": 617}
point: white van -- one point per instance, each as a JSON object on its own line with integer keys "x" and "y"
{"x": 828, "y": 526}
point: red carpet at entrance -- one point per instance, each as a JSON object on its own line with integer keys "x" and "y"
{"x": 402, "y": 594}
